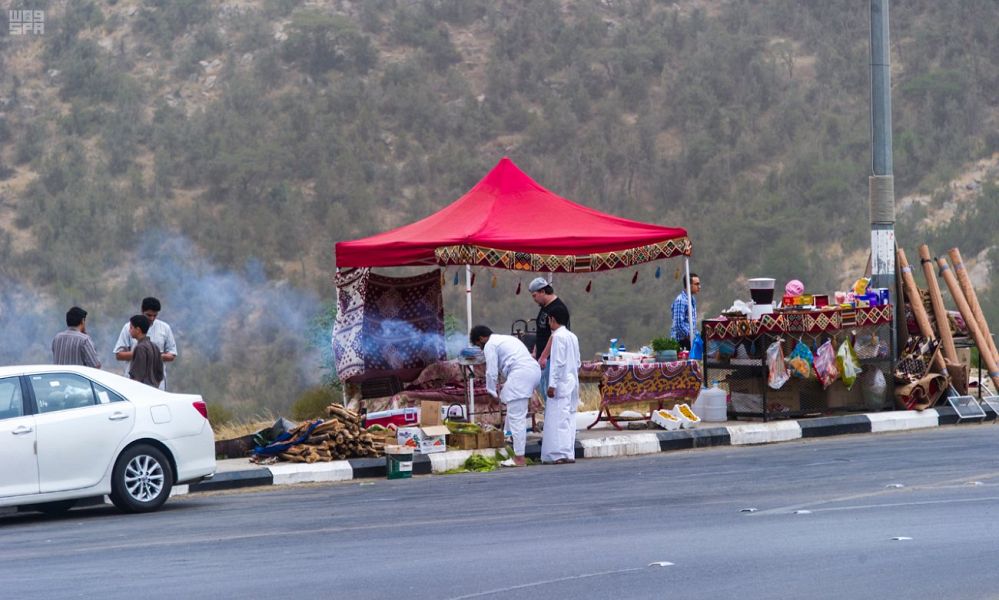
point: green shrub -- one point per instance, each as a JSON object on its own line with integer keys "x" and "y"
{"x": 313, "y": 402}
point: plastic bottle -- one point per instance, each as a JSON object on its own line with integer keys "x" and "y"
{"x": 613, "y": 348}
{"x": 712, "y": 404}
{"x": 697, "y": 348}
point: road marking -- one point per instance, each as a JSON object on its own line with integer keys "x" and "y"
{"x": 543, "y": 582}
{"x": 957, "y": 482}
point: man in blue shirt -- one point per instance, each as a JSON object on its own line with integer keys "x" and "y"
{"x": 680, "y": 331}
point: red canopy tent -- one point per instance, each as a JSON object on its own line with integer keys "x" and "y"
{"x": 509, "y": 221}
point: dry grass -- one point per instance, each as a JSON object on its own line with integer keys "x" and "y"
{"x": 239, "y": 427}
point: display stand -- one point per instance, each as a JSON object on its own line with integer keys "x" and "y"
{"x": 735, "y": 351}
{"x": 992, "y": 402}
{"x": 967, "y": 407}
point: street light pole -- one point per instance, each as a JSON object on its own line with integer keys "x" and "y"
{"x": 881, "y": 184}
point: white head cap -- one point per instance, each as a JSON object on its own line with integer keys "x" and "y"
{"x": 537, "y": 284}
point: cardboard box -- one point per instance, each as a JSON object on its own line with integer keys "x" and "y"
{"x": 464, "y": 441}
{"x": 473, "y": 441}
{"x": 425, "y": 440}
{"x": 496, "y": 439}
{"x": 430, "y": 413}
{"x": 430, "y": 436}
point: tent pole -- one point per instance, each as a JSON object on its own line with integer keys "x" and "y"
{"x": 468, "y": 312}
{"x": 690, "y": 304}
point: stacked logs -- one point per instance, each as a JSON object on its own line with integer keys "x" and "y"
{"x": 337, "y": 438}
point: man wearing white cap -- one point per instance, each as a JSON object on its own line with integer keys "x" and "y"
{"x": 543, "y": 293}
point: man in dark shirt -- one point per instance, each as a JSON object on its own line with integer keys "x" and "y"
{"x": 147, "y": 361}
{"x": 544, "y": 294}
{"x": 73, "y": 346}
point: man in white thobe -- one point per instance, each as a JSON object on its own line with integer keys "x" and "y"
{"x": 558, "y": 445}
{"x": 508, "y": 356}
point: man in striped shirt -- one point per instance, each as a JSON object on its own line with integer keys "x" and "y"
{"x": 74, "y": 346}
{"x": 680, "y": 331}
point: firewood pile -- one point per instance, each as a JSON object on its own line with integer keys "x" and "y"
{"x": 336, "y": 438}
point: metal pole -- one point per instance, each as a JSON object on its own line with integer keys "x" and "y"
{"x": 690, "y": 302}
{"x": 881, "y": 184}
{"x": 468, "y": 314}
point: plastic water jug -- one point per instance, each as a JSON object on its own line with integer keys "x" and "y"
{"x": 697, "y": 348}
{"x": 712, "y": 404}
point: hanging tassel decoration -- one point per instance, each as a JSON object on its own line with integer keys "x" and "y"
{"x": 494, "y": 282}
{"x": 676, "y": 274}
{"x": 517, "y": 293}
{"x": 634, "y": 278}
{"x": 456, "y": 278}
{"x": 472, "y": 282}
{"x": 443, "y": 275}
{"x": 589, "y": 286}
{"x": 659, "y": 272}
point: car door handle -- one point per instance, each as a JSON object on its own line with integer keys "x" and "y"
{"x": 117, "y": 416}
{"x": 21, "y": 430}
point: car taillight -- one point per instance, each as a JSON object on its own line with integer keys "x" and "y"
{"x": 202, "y": 408}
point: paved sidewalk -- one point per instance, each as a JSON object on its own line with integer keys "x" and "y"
{"x": 594, "y": 443}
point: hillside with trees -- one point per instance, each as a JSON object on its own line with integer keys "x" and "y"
{"x": 211, "y": 153}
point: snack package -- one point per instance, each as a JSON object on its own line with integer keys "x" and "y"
{"x": 848, "y": 363}
{"x": 860, "y": 286}
{"x": 825, "y": 364}
{"x": 800, "y": 361}
{"x": 777, "y": 373}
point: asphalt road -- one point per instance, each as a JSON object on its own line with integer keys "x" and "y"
{"x": 826, "y": 513}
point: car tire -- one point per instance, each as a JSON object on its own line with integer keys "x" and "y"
{"x": 141, "y": 480}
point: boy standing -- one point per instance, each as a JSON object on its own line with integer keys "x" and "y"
{"x": 559, "y": 442}
{"x": 147, "y": 361}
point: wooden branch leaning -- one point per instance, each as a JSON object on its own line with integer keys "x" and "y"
{"x": 969, "y": 318}
{"x": 939, "y": 311}
{"x": 972, "y": 298}
{"x": 918, "y": 310}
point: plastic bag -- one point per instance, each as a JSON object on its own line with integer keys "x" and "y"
{"x": 873, "y": 387}
{"x": 800, "y": 361}
{"x": 848, "y": 363}
{"x": 825, "y": 364}
{"x": 777, "y": 373}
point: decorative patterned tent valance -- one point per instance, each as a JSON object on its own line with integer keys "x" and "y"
{"x": 813, "y": 322}
{"x": 466, "y": 254}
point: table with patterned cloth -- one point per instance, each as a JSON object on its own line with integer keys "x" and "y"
{"x": 645, "y": 382}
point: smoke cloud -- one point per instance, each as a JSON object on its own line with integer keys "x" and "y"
{"x": 244, "y": 341}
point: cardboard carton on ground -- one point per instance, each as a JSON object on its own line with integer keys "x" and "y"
{"x": 463, "y": 441}
{"x": 431, "y": 435}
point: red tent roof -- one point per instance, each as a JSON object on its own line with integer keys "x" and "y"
{"x": 509, "y": 221}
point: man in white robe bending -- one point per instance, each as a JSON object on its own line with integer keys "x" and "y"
{"x": 558, "y": 445}
{"x": 508, "y": 356}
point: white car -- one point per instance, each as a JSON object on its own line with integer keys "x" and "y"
{"x": 69, "y": 432}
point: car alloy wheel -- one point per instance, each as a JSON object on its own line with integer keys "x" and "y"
{"x": 141, "y": 480}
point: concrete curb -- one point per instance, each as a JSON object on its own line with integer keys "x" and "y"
{"x": 613, "y": 444}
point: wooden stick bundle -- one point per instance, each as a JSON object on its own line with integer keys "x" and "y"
{"x": 969, "y": 318}
{"x": 972, "y": 298}
{"x": 918, "y": 310}
{"x": 939, "y": 311}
